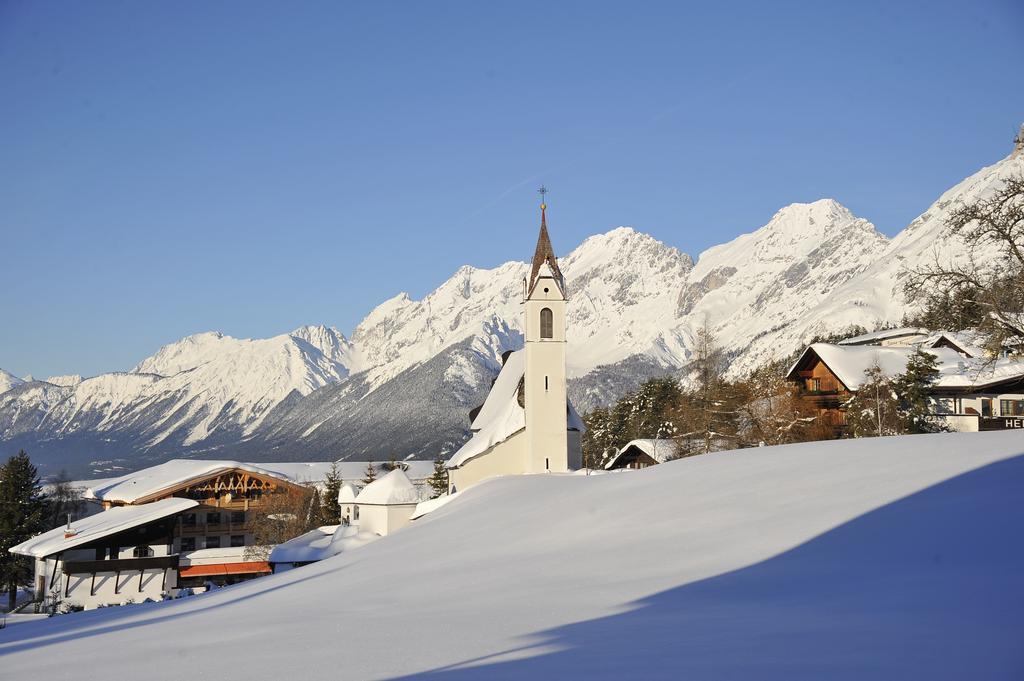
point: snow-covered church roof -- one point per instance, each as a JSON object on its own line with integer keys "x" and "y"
{"x": 393, "y": 488}
{"x": 100, "y": 525}
{"x": 501, "y": 416}
{"x": 347, "y": 494}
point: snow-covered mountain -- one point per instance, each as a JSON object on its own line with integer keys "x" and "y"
{"x": 8, "y": 381}
{"x": 413, "y": 368}
{"x": 204, "y": 389}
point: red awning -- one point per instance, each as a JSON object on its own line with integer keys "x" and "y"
{"x": 224, "y": 569}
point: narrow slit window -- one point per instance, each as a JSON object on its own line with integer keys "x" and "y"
{"x": 545, "y": 384}
{"x": 547, "y": 323}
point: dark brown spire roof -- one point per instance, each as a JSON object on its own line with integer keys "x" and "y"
{"x": 544, "y": 254}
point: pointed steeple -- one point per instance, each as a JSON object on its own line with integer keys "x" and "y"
{"x": 544, "y": 253}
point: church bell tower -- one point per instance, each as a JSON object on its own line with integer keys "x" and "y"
{"x": 545, "y": 400}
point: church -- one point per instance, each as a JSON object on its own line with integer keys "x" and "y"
{"x": 527, "y": 425}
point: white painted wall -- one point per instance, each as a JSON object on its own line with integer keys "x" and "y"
{"x": 384, "y": 519}
{"x": 83, "y": 592}
{"x": 546, "y": 417}
{"x": 505, "y": 458}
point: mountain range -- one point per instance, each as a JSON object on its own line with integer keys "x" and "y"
{"x": 403, "y": 384}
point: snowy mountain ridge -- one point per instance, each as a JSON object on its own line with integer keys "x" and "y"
{"x": 636, "y": 306}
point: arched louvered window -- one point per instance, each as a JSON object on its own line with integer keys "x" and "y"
{"x": 547, "y": 323}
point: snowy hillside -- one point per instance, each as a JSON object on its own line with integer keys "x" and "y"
{"x": 635, "y": 308}
{"x": 887, "y": 558}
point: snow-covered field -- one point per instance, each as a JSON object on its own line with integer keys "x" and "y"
{"x": 892, "y": 558}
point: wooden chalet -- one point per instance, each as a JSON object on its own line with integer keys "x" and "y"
{"x": 821, "y": 388}
{"x": 182, "y": 524}
{"x": 211, "y": 537}
{"x": 970, "y": 394}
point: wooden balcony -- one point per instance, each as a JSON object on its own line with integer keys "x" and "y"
{"x": 78, "y": 567}
{"x": 199, "y": 529}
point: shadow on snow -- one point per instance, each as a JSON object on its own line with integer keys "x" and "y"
{"x": 927, "y": 587}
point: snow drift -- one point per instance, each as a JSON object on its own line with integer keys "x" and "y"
{"x": 894, "y": 558}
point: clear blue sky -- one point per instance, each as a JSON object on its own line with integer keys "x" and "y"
{"x": 169, "y": 168}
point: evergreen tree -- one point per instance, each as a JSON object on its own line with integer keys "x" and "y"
{"x": 315, "y": 514}
{"x": 22, "y": 515}
{"x": 912, "y": 390}
{"x": 392, "y": 463}
{"x": 371, "y": 473}
{"x": 439, "y": 480}
{"x": 332, "y": 485}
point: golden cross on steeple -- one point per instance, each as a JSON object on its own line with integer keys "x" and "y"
{"x": 542, "y": 191}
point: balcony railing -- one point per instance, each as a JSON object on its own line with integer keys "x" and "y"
{"x": 77, "y": 567}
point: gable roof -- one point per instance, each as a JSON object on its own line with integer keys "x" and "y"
{"x": 544, "y": 254}
{"x": 661, "y": 450}
{"x": 849, "y": 362}
{"x": 884, "y": 334}
{"x": 133, "y": 487}
{"x": 961, "y": 341}
{"x": 100, "y": 525}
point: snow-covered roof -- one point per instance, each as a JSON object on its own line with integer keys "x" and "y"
{"x": 849, "y": 362}
{"x": 505, "y": 387}
{"x": 393, "y": 488}
{"x": 141, "y": 484}
{"x": 221, "y": 554}
{"x": 321, "y": 543}
{"x": 431, "y": 505}
{"x": 964, "y": 341}
{"x": 878, "y": 336}
{"x": 100, "y": 525}
{"x": 660, "y": 450}
{"x": 347, "y": 494}
{"x": 501, "y": 417}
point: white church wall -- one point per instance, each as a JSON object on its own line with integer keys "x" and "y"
{"x": 505, "y": 458}
{"x": 382, "y": 519}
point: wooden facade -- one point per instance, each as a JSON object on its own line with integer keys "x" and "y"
{"x": 822, "y": 389}
{"x": 222, "y": 520}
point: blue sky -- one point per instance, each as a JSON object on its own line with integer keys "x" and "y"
{"x": 170, "y": 168}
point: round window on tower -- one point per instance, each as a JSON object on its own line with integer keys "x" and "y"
{"x": 546, "y": 290}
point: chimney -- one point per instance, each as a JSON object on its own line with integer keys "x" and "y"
{"x": 69, "y": 532}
